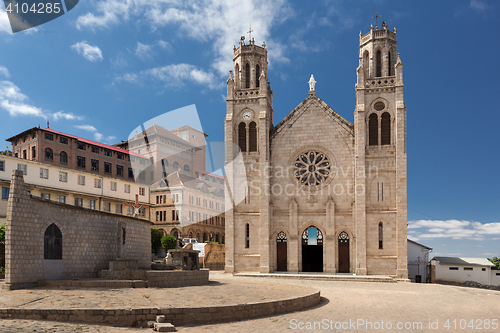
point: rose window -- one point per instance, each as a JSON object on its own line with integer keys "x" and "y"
{"x": 312, "y": 168}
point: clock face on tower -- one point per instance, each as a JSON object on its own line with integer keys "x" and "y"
{"x": 247, "y": 115}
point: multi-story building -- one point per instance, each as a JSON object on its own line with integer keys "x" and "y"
{"x": 74, "y": 187}
{"x": 188, "y": 207}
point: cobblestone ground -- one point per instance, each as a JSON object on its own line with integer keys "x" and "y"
{"x": 357, "y": 306}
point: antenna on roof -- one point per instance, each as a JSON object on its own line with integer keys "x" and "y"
{"x": 47, "y": 124}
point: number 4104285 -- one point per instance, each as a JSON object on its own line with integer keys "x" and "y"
{"x": 36, "y": 8}
{"x": 478, "y": 324}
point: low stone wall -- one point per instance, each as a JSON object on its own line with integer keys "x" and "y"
{"x": 176, "y": 316}
{"x": 142, "y": 279}
{"x": 215, "y": 257}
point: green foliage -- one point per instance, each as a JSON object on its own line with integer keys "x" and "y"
{"x": 2, "y": 233}
{"x": 495, "y": 261}
{"x": 2, "y": 270}
{"x": 156, "y": 236}
{"x": 168, "y": 242}
{"x": 6, "y": 152}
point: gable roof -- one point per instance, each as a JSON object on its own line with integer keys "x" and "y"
{"x": 293, "y": 116}
{"x": 463, "y": 261}
{"x": 428, "y": 248}
{"x": 177, "y": 179}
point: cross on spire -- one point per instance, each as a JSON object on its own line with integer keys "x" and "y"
{"x": 250, "y": 32}
{"x": 376, "y": 18}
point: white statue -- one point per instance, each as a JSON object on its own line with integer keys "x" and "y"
{"x": 312, "y": 83}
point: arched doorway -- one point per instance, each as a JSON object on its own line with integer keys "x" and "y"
{"x": 281, "y": 249}
{"x": 312, "y": 250}
{"x": 343, "y": 252}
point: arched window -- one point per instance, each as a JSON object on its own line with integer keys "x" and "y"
{"x": 242, "y": 136}
{"x": 247, "y": 236}
{"x": 378, "y": 64}
{"x": 198, "y": 236}
{"x": 373, "y": 130}
{"x": 222, "y": 240}
{"x": 366, "y": 64}
{"x": 190, "y": 234}
{"x": 176, "y": 166}
{"x": 380, "y": 235}
{"x": 385, "y": 129}
{"x": 176, "y": 234}
{"x": 49, "y": 155}
{"x": 217, "y": 238}
{"x": 186, "y": 168}
{"x": 390, "y": 65}
{"x": 52, "y": 243}
{"x": 252, "y": 133}
{"x": 247, "y": 76}
{"x": 63, "y": 157}
{"x": 257, "y": 75}
{"x": 237, "y": 76}
{"x": 205, "y": 237}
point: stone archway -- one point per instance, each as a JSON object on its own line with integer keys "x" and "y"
{"x": 312, "y": 250}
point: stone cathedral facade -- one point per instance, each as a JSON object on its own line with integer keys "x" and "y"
{"x": 321, "y": 194}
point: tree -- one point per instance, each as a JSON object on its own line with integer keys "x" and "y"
{"x": 156, "y": 236}
{"x": 495, "y": 261}
{"x": 168, "y": 242}
{"x": 2, "y": 233}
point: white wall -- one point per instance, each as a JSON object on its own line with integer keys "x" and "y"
{"x": 495, "y": 277}
{"x": 415, "y": 251}
{"x": 443, "y": 273}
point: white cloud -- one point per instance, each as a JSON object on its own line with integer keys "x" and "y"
{"x": 478, "y": 5}
{"x": 14, "y": 101}
{"x": 89, "y": 52}
{"x": 98, "y": 136}
{"x": 429, "y": 229}
{"x": 89, "y": 128}
{"x": 174, "y": 75}
{"x": 67, "y": 116}
{"x": 221, "y": 22}
{"x": 4, "y": 71}
{"x": 164, "y": 45}
{"x": 144, "y": 51}
{"x": 4, "y": 22}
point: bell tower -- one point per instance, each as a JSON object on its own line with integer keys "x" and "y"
{"x": 249, "y": 120}
{"x": 380, "y": 131}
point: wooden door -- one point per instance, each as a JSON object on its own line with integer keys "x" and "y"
{"x": 281, "y": 249}
{"x": 343, "y": 252}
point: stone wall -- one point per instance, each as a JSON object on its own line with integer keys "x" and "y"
{"x": 90, "y": 239}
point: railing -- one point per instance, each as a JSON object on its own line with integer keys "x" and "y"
{"x": 246, "y": 93}
{"x": 380, "y": 82}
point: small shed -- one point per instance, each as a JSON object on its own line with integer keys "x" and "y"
{"x": 459, "y": 270}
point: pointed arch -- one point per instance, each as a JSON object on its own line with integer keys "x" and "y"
{"x": 237, "y": 76}
{"x": 52, "y": 242}
{"x": 385, "y": 129}
{"x": 257, "y": 76}
{"x": 247, "y": 75}
{"x": 252, "y": 136}
{"x": 380, "y": 235}
{"x": 373, "y": 130}
{"x": 242, "y": 136}
{"x": 390, "y": 64}
{"x": 366, "y": 64}
{"x": 378, "y": 64}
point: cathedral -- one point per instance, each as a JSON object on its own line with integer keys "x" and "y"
{"x": 320, "y": 194}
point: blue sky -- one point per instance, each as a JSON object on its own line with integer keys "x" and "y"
{"x": 110, "y": 65}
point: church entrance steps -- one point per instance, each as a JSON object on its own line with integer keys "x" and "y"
{"x": 321, "y": 276}
{"x": 224, "y": 299}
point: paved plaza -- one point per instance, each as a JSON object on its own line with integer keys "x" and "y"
{"x": 349, "y": 306}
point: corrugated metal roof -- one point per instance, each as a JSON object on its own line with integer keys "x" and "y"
{"x": 463, "y": 261}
